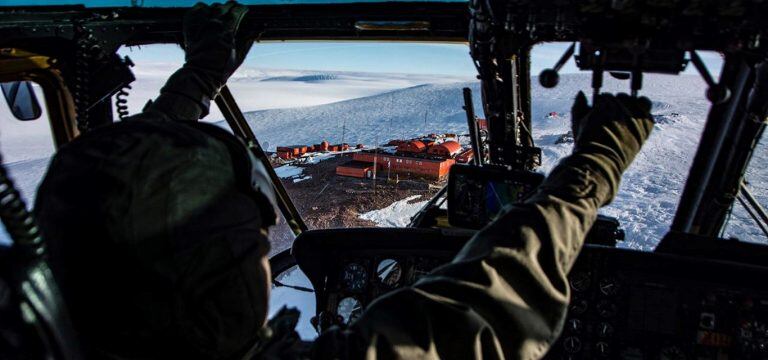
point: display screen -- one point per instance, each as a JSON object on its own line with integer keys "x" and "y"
{"x": 476, "y": 195}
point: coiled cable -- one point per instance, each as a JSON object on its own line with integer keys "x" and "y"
{"x": 87, "y": 48}
{"x": 121, "y": 102}
{"x": 18, "y": 221}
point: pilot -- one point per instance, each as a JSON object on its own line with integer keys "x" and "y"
{"x": 157, "y": 231}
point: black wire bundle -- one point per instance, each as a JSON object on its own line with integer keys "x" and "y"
{"x": 121, "y": 102}
{"x": 18, "y": 221}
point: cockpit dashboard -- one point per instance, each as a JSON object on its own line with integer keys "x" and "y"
{"x": 625, "y": 304}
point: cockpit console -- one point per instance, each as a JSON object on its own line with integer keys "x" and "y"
{"x": 624, "y": 304}
{"x": 477, "y": 194}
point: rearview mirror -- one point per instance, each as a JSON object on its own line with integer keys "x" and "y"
{"x": 21, "y": 99}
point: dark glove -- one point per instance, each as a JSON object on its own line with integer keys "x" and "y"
{"x": 607, "y": 137}
{"x": 616, "y": 127}
{"x": 211, "y": 43}
{"x": 213, "y": 52}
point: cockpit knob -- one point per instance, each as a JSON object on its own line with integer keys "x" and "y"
{"x": 603, "y": 349}
{"x": 549, "y": 78}
{"x": 572, "y": 344}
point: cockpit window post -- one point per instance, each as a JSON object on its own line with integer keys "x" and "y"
{"x": 236, "y": 120}
{"x": 723, "y": 127}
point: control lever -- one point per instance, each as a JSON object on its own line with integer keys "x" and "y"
{"x": 549, "y": 78}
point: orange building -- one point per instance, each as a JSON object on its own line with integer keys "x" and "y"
{"x": 404, "y": 165}
{"x": 412, "y": 147}
{"x": 358, "y": 169}
{"x": 323, "y": 146}
{"x": 338, "y": 147}
{"x": 291, "y": 151}
{"x": 466, "y": 156}
{"x": 294, "y": 151}
{"x": 446, "y": 149}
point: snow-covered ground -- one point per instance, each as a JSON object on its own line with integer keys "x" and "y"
{"x": 398, "y": 214}
{"x": 403, "y": 113}
{"x": 302, "y": 300}
{"x": 259, "y": 89}
{"x": 651, "y": 187}
{"x": 288, "y": 171}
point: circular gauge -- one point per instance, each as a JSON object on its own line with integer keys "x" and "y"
{"x": 603, "y": 349}
{"x": 579, "y": 307}
{"x": 580, "y": 281}
{"x": 609, "y": 286}
{"x": 604, "y": 330}
{"x": 574, "y": 325}
{"x": 389, "y": 272}
{"x": 349, "y": 309}
{"x": 572, "y": 344}
{"x": 354, "y": 277}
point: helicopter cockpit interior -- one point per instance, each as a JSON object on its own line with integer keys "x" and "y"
{"x": 695, "y": 296}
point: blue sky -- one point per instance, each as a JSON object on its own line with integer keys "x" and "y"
{"x": 420, "y": 58}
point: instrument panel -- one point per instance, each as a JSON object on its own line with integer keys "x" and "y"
{"x": 348, "y": 274}
{"x": 633, "y": 305}
{"x": 361, "y": 280}
{"x": 625, "y": 304}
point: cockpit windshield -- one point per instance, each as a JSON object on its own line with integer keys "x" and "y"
{"x": 361, "y": 134}
{"x": 650, "y": 189}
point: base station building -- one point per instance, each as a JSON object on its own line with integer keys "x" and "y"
{"x": 414, "y": 158}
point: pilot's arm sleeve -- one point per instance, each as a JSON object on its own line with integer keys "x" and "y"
{"x": 505, "y": 295}
{"x": 185, "y": 97}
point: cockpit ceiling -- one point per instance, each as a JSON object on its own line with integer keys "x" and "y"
{"x": 188, "y": 3}
{"x": 681, "y": 25}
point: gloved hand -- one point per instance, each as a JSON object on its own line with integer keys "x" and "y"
{"x": 616, "y": 126}
{"x": 211, "y": 42}
{"x": 214, "y": 50}
{"x": 607, "y": 137}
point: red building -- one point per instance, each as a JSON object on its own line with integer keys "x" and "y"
{"x": 446, "y": 149}
{"x": 338, "y": 147}
{"x": 412, "y": 147}
{"x": 323, "y": 146}
{"x": 394, "y": 164}
{"x": 358, "y": 169}
{"x": 466, "y": 156}
{"x": 294, "y": 151}
{"x": 291, "y": 151}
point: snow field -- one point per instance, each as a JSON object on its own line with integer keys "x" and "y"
{"x": 304, "y": 301}
{"x": 398, "y": 214}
